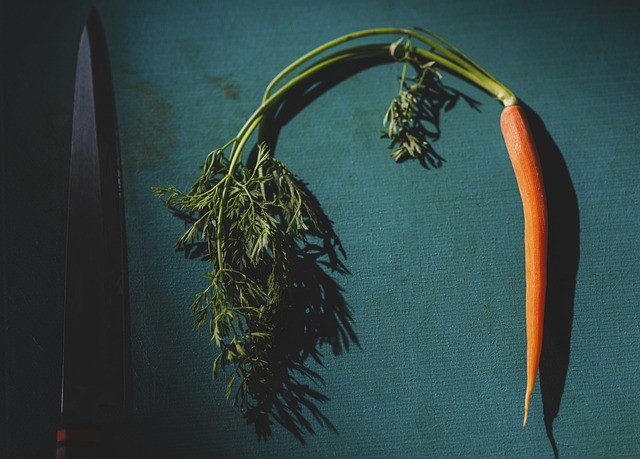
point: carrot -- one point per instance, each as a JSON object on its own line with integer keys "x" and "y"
{"x": 239, "y": 246}
{"x": 526, "y": 164}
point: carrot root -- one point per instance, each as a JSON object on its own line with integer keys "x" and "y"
{"x": 526, "y": 164}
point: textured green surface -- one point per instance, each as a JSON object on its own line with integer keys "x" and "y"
{"x": 437, "y": 290}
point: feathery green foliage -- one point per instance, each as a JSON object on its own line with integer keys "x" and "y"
{"x": 256, "y": 222}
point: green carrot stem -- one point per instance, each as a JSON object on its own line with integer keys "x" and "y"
{"x": 445, "y": 55}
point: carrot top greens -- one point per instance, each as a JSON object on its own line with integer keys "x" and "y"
{"x": 256, "y": 222}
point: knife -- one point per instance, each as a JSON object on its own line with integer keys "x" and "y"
{"x": 96, "y": 395}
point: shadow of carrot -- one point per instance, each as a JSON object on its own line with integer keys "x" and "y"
{"x": 563, "y": 260}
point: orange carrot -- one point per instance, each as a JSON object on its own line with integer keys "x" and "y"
{"x": 526, "y": 165}
{"x": 227, "y": 250}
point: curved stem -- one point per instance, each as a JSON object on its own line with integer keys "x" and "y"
{"x": 255, "y": 119}
{"x": 455, "y": 66}
{"x": 451, "y": 49}
{"x": 484, "y": 82}
{"x": 444, "y": 54}
{"x": 331, "y": 44}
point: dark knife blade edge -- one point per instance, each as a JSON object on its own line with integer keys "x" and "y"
{"x": 96, "y": 390}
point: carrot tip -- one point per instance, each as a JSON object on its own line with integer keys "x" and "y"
{"x": 526, "y": 408}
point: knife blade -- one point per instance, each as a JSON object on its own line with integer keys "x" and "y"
{"x": 96, "y": 363}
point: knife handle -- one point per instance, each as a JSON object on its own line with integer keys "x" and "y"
{"x": 117, "y": 441}
{"x": 79, "y": 442}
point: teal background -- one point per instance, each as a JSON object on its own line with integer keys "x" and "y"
{"x": 437, "y": 284}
